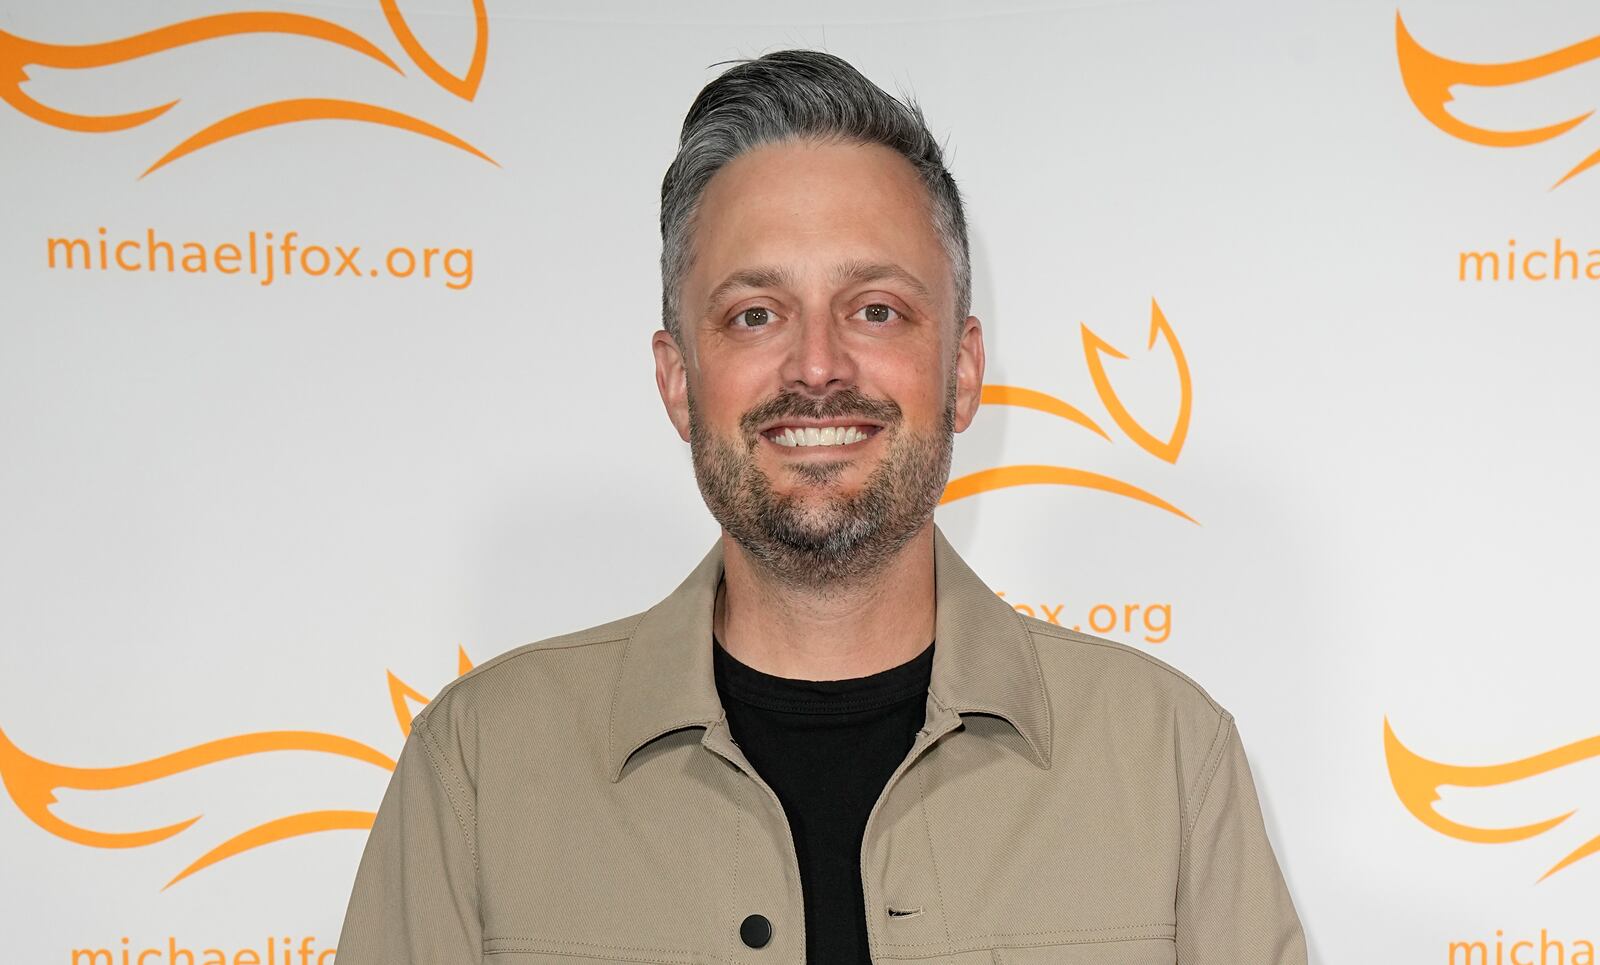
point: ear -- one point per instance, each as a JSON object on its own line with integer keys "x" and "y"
{"x": 969, "y": 372}
{"x": 672, "y": 380}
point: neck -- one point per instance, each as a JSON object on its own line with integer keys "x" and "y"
{"x": 828, "y": 633}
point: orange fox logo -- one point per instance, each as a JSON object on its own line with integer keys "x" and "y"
{"x": 18, "y": 53}
{"x": 1417, "y": 780}
{"x": 32, "y": 783}
{"x": 1095, "y": 349}
{"x": 1429, "y": 77}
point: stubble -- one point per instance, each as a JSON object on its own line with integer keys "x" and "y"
{"x": 817, "y": 542}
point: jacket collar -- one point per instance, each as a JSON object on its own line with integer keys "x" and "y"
{"x": 984, "y": 661}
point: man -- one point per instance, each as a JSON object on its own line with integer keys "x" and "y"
{"x": 832, "y": 743}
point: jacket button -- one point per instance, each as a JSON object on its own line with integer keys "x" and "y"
{"x": 756, "y": 931}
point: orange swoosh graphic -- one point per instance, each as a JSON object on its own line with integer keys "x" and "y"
{"x": 1038, "y": 401}
{"x": 1417, "y": 780}
{"x": 400, "y": 692}
{"x": 1428, "y": 78}
{"x": 278, "y": 830}
{"x": 310, "y": 109}
{"x": 1002, "y": 477}
{"x": 465, "y": 86}
{"x": 1094, "y": 347}
{"x": 32, "y": 782}
{"x": 17, "y": 53}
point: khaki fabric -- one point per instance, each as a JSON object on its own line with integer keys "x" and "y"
{"x": 1069, "y": 800}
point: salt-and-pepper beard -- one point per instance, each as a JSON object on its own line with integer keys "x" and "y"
{"x": 850, "y": 536}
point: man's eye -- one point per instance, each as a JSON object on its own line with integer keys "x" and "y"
{"x": 753, "y": 317}
{"x": 878, "y": 314}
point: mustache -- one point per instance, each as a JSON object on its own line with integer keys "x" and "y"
{"x": 845, "y": 402}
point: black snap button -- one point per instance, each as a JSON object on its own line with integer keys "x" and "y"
{"x": 756, "y": 931}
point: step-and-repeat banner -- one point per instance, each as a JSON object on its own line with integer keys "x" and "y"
{"x": 324, "y": 374}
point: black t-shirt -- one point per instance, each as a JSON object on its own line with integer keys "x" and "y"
{"x": 826, "y": 748}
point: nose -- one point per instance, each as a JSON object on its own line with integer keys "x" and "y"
{"x": 818, "y": 361}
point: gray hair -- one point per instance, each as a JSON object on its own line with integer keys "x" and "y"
{"x": 798, "y": 95}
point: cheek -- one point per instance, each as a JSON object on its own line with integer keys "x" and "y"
{"x": 720, "y": 401}
{"x": 918, "y": 385}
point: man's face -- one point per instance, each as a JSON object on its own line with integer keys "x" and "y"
{"x": 821, "y": 371}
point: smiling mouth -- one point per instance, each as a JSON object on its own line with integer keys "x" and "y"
{"x": 821, "y": 437}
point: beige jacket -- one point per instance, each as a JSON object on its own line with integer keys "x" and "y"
{"x": 1069, "y": 800}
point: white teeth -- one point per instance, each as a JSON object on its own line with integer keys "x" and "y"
{"x": 812, "y": 436}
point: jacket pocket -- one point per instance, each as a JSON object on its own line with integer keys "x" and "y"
{"x": 517, "y": 951}
{"x": 547, "y": 958}
{"x": 1137, "y": 951}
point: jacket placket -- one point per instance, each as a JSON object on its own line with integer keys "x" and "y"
{"x": 938, "y": 722}
{"x": 719, "y": 740}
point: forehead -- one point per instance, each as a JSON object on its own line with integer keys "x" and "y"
{"x": 811, "y": 207}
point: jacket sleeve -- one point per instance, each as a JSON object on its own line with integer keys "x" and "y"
{"x": 415, "y": 900}
{"x": 1233, "y": 905}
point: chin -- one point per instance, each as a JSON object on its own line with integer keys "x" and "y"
{"x": 831, "y": 504}
{"x": 832, "y": 478}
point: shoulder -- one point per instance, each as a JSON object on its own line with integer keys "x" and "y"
{"x": 1121, "y": 699}
{"x": 573, "y": 666}
{"x": 1074, "y": 655}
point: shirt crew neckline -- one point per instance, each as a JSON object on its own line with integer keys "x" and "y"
{"x": 746, "y": 684}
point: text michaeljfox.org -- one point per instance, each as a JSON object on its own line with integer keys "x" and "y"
{"x": 267, "y": 258}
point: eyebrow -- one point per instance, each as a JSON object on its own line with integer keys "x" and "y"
{"x": 748, "y": 278}
{"x": 847, "y": 273}
{"x": 859, "y": 273}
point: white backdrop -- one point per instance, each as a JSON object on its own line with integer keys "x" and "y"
{"x": 228, "y": 507}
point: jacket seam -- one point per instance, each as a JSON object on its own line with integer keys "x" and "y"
{"x": 733, "y": 894}
{"x": 1086, "y": 639}
{"x": 1219, "y": 745}
{"x": 509, "y": 940}
{"x": 1060, "y": 936}
{"x": 439, "y": 765}
{"x": 933, "y": 855}
{"x": 1046, "y": 753}
{"x": 614, "y": 766}
{"x": 1087, "y": 930}
{"x": 628, "y": 953}
{"x": 443, "y": 697}
{"x": 611, "y": 956}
